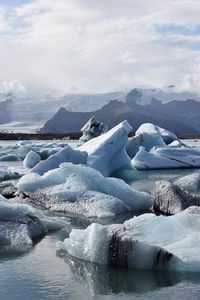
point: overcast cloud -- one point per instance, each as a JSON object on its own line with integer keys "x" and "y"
{"x": 101, "y": 45}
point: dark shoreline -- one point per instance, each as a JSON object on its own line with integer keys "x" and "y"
{"x": 67, "y": 135}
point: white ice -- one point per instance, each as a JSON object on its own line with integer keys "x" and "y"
{"x": 31, "y": 159}
{"x": 106, "y": 153}
{"x": 146, "y": 140}
{"x": 150, "y": 128}
{"x": 166, "y": 158}
{"x": 83, "y": 190}
{"x": 144, "y": 242}
{"x": 67, "y": 154}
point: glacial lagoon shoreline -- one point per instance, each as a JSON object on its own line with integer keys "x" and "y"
{"x": 67, "y": 135}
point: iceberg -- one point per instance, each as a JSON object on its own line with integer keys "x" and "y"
{"x": 66, "y": 154}
{"x": 21, "y": 223}
{"x": 171, "y": 199}
{"x": 106, "y": 153}
{"x": 166, "y": 158}
{"x": 10, "y": 157}
{"x": 146, "y": 140}
{"x": 7, "y": 173}
{"x": 31, "y": 159}
{"x": 144, "y": 242}
{"x": 190, "y": 183}
{"x": 83, "y": 191}
{"x": 92, "y": 129}
{"x": 167, "y": 136}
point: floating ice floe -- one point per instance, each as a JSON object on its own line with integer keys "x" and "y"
{"x": 83, "y": 191}
{"x": 144, "y": 242}
{"x": 31, "y": 159}
{"x": 92, "y": 129}
{"x": 7, "y": 189}
{"x": 67, "y": 154}
{"x": 146, "y": 140}
{"x": 166, "y": 158}
{"x": 7, "y": 173}
{"x": 171, "y": 199}
{"x": 21, "y": 223}
{"x": 10, "y": 157}
{"x": 107, "y": 153}
{"x": 190, "y": 183}
{"x": 43, "y": 149}
{"x": 167, "y": 136}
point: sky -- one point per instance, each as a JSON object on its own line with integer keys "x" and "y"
{"x": 90, "y": 46}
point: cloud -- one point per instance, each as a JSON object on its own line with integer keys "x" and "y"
{"x": 94, "y": 46}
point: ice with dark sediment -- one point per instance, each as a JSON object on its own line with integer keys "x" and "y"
{"x": 91, "y": 129}
{"x": 171, "y": 199}
{"x": 21, "y": 223}
{"x": 190, "y": 183}
{"x": 81, "y": 190}
{"x": 144, "y": 242}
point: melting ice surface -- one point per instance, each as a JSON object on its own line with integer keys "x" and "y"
{"x": 40, "y": 274}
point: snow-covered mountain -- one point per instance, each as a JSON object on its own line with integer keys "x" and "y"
{"x": 28, "y": 112}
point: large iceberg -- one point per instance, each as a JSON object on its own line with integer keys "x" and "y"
{"x": 166, "y": 158}
{"x": 144, "y": 242}
{"x": 92, "y": 129}
{"x": 21, "y": 223}
{"x": 67, "y": 154}
{"x": 107, "y": 153}
{"x": 81, "y": 190}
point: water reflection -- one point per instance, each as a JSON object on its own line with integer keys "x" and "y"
{"x": 104, "y": 280}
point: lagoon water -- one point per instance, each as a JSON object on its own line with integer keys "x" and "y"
{"x": 39, "y": 272}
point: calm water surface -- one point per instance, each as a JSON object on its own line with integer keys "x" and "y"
{"x": 41, "y": 273}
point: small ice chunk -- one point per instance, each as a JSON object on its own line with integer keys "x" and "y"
{"x": 92, "y": 129}
{"x": 31, "y": 159}
{"x": 147, "y": 140}
{"x": 150, "y": 128}
{"x": 66, "y": 154}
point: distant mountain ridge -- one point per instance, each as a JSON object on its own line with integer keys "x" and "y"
{"x": 26, "y": 112}
{"x": 177, "y": 116}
